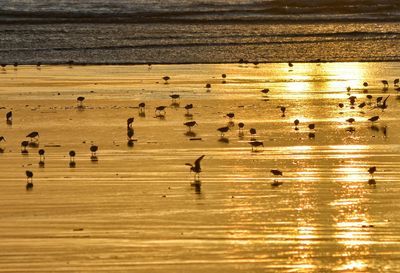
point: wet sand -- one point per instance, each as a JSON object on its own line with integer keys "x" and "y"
{"x": 135, "y": 208}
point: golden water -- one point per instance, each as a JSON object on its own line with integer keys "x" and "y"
{"x": 135, "y": 210}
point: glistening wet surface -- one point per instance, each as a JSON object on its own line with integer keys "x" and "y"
{"x": 135, "y": 208}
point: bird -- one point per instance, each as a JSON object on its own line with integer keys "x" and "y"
{"x": 141, "y": 106}
{"x": 190, "y": 124}
{"x": 385, "y": 83}
{"x": 188, "y": 107}
{"x": 160, "y": 109}
{"x": 33, "y": 135}
{"x": 383, "y": 105}
{"x": 72, "y": 154}
{"x": 41, "y": 155}
{"x": 255, "y": 143}
{"x": 341, "y": 105}
{"x": 223, "y": 76}
{"x": 276, "y": 183}
{"x": 311, "y": 126}
{"x": 29, "y": 180}
{"x": 361, "y": 105}
{"x": 374, "y": 118}
{"x": 196, "y": 168}
{"x": 253, "y": 131}
{"x": 223, "y": 130}
{"x": 174, "y": 97}
{"x": 396, "y": 82}
{"x": 372, "y": 170}
{"x": 80, "y": 101}
{"x": 129, "y": 122}
{"x": 230, "y": 115}
{"x": 93, "y": 149}
{"x": 208, "y": 86}
{"x": 350, "y": 120}
{"x": 290, "y": 64}
{"x": 2, "y": 139}
{"x": 24, "y": 144}
{"x": 241, "y": 126}
{"x": 296, "y": 123}
{"x": 166, "y": 79}
{"x": 9, "y": 116}
{"x": 265, "y": 91}
{"x": 276, "y": 172}
{"x": 365, "y": 84}
{"x": 283, "y": 109}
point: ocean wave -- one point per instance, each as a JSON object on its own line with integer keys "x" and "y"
{"x": 106, "y": 11}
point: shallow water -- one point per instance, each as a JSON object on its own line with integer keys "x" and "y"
{"x": 135, "y": 208}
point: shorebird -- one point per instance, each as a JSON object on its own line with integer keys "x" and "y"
{"x": 72, "y": 158}
{"x": 41, "y": 155}
{"x": 9, "y": 116}
{"x": 365, "y": 84}
{"x": 230, "y": 115}
{"x": 383, "y": 105}
{"x": 385, "y": 83}
{"x": 283, "y": 110}
{"x": 361, "y": 105}
{"x": 223, "y": 130}
{"x": 190, "y": 124}
{"x": 141, "y": 106}
{"x": 350, "y": 120}
{"x": 254, "y": 144}
{"x": 174, "y": 97}
{"x": 265, "y": 91}
{"x": 188, "y": 107}
{"x": 341, "y": 105}
{"x": 33, "y": 135}
{"x": 93, "y": 149}
{"x": 290, "y": 64}
{"x": 396, "y": 82}
{"x": 276, "y": 172}
{"x": 160, "y": 109}
{"x": 166, "y": 79}
{"x": 80, "y": 101}
{"x": 24, "y": 144}
{"x": 241, "y": 126}
{"x": 372, "y": 170}
{"x": 253, "y": 131}
{"x": 196, "y": 167}
{"x": 296, "y": 123}
{"x": 129, "y": 122}
{"x": 223, "y": 76}
{"x": 374, "y": 118}
{"x": 276, "y": 183}
{"x": 311, "y": 126}
{"x": 29, "y": 180}
{"x": 208, "y": 85}
{"x": 2, "y": 139}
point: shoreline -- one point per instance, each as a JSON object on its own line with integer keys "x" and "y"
{"x": 11, "y": 65}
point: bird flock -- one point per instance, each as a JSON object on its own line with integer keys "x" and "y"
{"x": 381, "y": 103}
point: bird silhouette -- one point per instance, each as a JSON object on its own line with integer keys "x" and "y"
{"x": 129, "y": 122}
{"x": 196, "y": 168}
{"x": 33, "y": 135}
{"x": 41, "y": 155}
{"x": 276, "y": 183}
{"x": 223, "y": 130}
{"x": 190, "y": 124}
{"x": 29, "y": 180}
{"x": 255, "y": 143}
{"x": 72, "y": 154}
{"x": 9, "y": 116}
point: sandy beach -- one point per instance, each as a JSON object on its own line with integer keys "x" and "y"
{"x": 135, "y": 208}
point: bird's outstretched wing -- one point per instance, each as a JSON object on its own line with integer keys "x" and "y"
{"x": 188, "y": 164}
{"x": 197, "y": 162}
{"x": 384, "y": 101}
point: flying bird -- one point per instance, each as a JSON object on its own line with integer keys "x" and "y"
{"x": 196, "y": 168}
